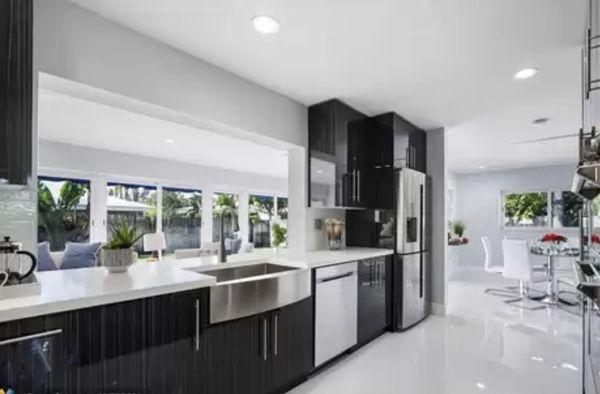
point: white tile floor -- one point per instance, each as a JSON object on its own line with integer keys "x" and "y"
{"x": 482, "y": 346}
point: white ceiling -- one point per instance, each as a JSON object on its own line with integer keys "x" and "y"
{"x": 436, "y": 62}
{"x": 72, "y": 120}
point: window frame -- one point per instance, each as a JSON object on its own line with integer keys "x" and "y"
{"x": 549, "y": 202}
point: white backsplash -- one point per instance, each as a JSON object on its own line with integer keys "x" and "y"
{"x": 316, "y": 238}
{"x": 17, "y": 215}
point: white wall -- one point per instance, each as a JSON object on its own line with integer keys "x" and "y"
{"x": 436, "y": 169}
{"x": 479, "y": 202}
{"x": 70, "y": 160}
{"x": 79, "y": 45}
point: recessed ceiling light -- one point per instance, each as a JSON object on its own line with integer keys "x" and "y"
{"x": 170, "y": 141}
{"x": 539, "y": 122}
{"x": 319, "y": 171}
{"x": 265, "y": 24}
{"x": 526, "y": 73}
{"x": 481, "y": 167}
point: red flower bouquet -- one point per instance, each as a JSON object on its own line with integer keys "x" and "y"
{"x": 555, "y": 238}
{"x": 595, "y": 239}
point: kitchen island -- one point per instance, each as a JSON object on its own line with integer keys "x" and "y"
{"x": 150, "y": 330}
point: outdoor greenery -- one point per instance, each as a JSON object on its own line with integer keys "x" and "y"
{"x": 58, "y": 218}
{"x": 521, "y": 209}
{"x": 566, "y": 209}
{"x": 279, "y": 235}
{"x": 175, "y": 204}
{"x": 144, "y": 195}
{"x": 123, "y": 236}
{"x": 261, "y": 204}
{"x": 225, "y": 208}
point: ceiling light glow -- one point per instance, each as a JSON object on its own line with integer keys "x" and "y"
{"x": 526, "y": 73}
{"x": 170, "y": 141}
{"x": 481, "y": 167}
{"x": 265, "y": 24}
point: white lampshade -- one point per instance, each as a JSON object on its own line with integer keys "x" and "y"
{"x": 154, "y": 242}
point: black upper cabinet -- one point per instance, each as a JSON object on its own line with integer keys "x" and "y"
{"x": 404, "y": 144}
{"x": 332, "y": 180}
{"x": 374, "y": 296}
{"x": 16, "y": 91}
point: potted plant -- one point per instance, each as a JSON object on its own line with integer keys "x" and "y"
{"x": 118, "y": 254}
{"x": 279, "y": 237}
{"x": 457, "y": 237}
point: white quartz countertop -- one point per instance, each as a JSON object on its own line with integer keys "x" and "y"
{"x": 65, "y": 290}
{"x": 321, "y": 258}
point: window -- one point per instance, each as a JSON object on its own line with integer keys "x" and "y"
{"x": 541, "y": 209}
{"x": 261, "y": 210}
{"x": 227, "y": 205}
{"x": 565, "y": 209}
{"x": 282, "y": 209}
{"x": 134, "y": 205}
{"x": 63, "y": 211}
{"x": 181, "y": 218}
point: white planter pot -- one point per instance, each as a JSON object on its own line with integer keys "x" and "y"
{"x": 117, "y": 260}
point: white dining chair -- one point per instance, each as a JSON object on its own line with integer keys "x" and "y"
{"x": 488, "y": 265}
{"x": 518, "y": 266}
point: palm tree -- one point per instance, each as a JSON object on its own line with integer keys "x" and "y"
{"x": 58, "y": 218}
{"x": 225, "y": 208}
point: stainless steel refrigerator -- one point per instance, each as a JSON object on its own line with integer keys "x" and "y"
{"x": 412, "y": 248}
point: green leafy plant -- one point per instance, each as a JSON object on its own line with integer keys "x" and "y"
{"x": 279, "y": 235}
{"x": 458, "y": 228}
{"x": 523, "y": 207}
{"x": 58, "y": 217}
{"x": 123, "y": 236}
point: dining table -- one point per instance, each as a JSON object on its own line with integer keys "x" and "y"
{"x": 551, "y": 253}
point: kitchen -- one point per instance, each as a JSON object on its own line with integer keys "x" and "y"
{"x": 251, "y": 324}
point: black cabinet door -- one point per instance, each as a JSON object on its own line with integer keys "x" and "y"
{"x": 329, "y": 123}
{"x": 16, "y": 91}
{"x": 373, "y": 310}
{"x": 417, "y": 148}
{"x": 321, "y": 126}
{"x": 146, "y": 345}
{"x": 291, "y": 345}
{"x": 238, "y": 352}
{"x": 31, "y": 357}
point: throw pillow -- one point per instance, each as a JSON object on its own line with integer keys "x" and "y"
{"x": 80, "y": 255}
{"x": 45, "y": 262}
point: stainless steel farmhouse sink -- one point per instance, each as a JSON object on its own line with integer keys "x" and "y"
{"x": 249, "y": 289}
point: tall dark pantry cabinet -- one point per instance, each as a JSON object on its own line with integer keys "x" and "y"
{"x": 16, "y": 42}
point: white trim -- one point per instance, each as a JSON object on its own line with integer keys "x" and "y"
{"x": 437, "y": 309}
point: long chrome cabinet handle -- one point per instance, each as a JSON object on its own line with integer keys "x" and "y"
{"x": 32, "y": 336}
{"x": 276, "y": 337}
{"x": 265, "y": 335}
{"x": 197, "y": 336}
{"x": 358, "y": 185}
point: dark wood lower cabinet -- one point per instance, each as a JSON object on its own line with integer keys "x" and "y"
{"x": 157, "y": 345}
{"x": 291, "y": 353}
{"x": 374, "y": 295}
{"x": 266, "y": 353}
{"x": 142, "y": 346}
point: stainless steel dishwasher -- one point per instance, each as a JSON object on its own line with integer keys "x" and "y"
{"x": 335, "y": 310}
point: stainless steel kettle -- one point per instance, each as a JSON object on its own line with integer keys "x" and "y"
{"x": 11, "y": 263}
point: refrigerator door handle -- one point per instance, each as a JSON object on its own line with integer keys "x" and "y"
{"x": 421, "y": 275}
